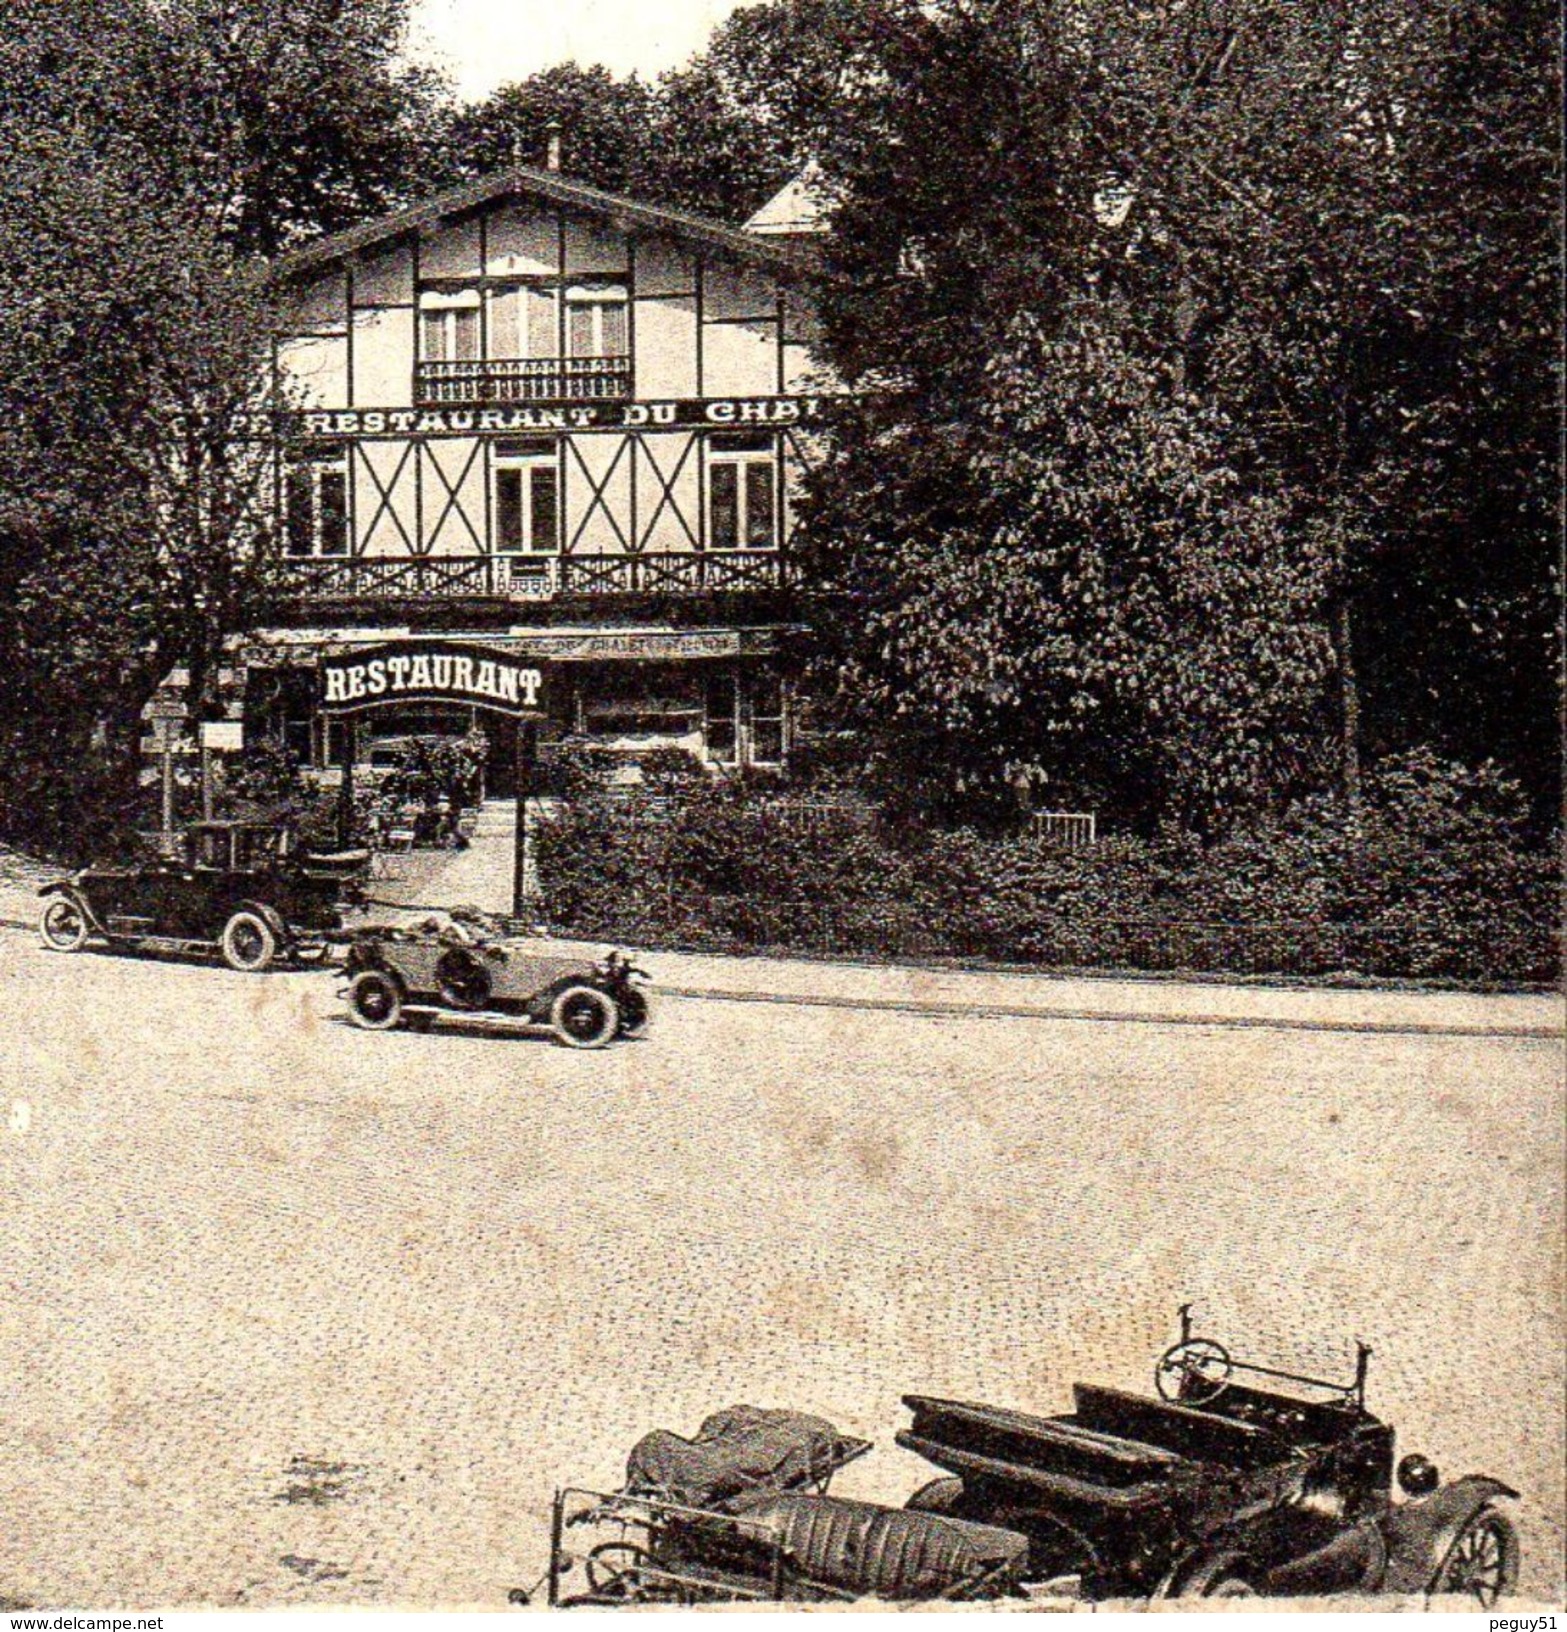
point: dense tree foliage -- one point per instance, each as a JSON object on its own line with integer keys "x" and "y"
{"x": 147, "y": 153}
{"x": 1293, "y": 222}
{"x": 748, "y": 113}
{"x": 718, "y": 136}
{"x": 606, "y": 127}
{"x": 1069, "y": 589}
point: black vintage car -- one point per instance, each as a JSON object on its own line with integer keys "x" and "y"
{"x": 1279, "y": 1484}
{"x": 1211, "y": 1488}
{"x": 741, "y": 1513}
{"x": 244, "y": 889}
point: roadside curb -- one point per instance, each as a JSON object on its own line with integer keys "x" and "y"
{"x": 1120, "y": 1017}
{"x": 938, "y": 1009}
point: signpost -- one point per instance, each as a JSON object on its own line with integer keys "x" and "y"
{"x": 166, "y": 713}
{"x": 217, "y": 737}
{"x": 463, "y": 673}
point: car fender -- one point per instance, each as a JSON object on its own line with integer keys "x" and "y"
{"x": 73, "y": 892}
{"x": 1419, "y": 1533}
{"x": 1211, "y": 1560}
{"x": 543, "y": 1000}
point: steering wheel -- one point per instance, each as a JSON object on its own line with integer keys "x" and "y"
{"x": 1194, "y": 1372}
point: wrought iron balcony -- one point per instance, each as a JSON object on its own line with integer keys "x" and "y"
{"x": 524, "y": 379}
{"x": 523, "y": 578}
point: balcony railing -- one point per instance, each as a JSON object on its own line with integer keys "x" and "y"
{"x": 684, "y": 573}
{"x": 524, "y": 578}
{"x": 525, "y": 379}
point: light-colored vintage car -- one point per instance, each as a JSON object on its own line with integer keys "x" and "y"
{"x": 412, "y": 976}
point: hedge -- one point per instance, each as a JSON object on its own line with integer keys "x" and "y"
{"x": 1433, "y": 879}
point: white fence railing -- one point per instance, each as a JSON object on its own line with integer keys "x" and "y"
{"x": 1071, "y": 829}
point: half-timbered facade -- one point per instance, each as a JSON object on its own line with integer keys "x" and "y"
{"x": 555, "y": 421}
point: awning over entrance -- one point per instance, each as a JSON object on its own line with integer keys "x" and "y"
{"x": 315, "y": 646}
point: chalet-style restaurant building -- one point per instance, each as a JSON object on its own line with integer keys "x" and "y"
{"x": 556, "y": 424}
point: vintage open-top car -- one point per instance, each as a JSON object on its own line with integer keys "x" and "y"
{"x": 245, "y": 889}
{"x": 1238, "y": 1478}
{"x": 741, "y": 1512}
{"x": 465, "y": 966}
{"x": 1216, "y": 1486}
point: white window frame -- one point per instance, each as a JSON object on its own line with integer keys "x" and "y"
{"x": 439, "y": 313}
{"x": 742, "y": 460}
{"x": 312, "y": 472}
{"x": 525, "y": 461}
{"x": 596, "y": 299}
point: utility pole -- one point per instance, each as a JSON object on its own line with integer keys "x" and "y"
{"x": 527, "y": 767}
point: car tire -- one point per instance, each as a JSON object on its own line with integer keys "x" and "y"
{"x": 1222, "y": 1576}
{"x": 1482, "y": 1562}
{"x": 248, "y": 944}
{"x": 62, "y": 925}
{"x": 636, "y": 1014}
{"x": 584, "y": 1017}
{"x": 375, "y": 1000}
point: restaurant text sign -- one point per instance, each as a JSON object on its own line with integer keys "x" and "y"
{"x": 687, "y": 414}
{"x": 432, "y": 671}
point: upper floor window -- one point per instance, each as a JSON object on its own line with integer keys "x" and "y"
{"x": 527, "y": 495}
{"x": 315, "y": 507}
{"x": 742, "y": 491}
{"x": 524, "y": 321}
{"x": 449, "y": 325}
{"x": 502, "y": 340}
{"x": 596, "y": 320}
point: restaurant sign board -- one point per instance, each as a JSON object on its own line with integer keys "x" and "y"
{"x": 433, "y": 671}
{"x": 721, "y": 413}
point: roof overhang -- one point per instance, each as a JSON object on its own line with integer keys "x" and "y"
{"x": 548, "y": 187}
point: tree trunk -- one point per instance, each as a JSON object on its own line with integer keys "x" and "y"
{"x": 1349, "y": 703}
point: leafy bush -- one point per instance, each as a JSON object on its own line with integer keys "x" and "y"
{"x": 1431, "y": 879}
{"x": 432, "y": 770}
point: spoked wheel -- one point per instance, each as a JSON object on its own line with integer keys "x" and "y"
{"x": 1222, "y": 1575}
{"x": 1482, "y": 1563}
{"x": 248, "y": 943}
{"x": 62, "y": 925}
{"x": 375, "y": 1001}
{"x": 1194, "y": 1372}
{"x": 635, "y": 1014}
{"x": 583, "y": 1017}
{"x": 617, "y": 1572}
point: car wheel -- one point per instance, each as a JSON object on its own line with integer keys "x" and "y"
{"x": 375, "y": 1001}
{"x": 636, "y": 1014}
{"x": 583, "y": 1017}
{"x": 248, "y": 943}
{"x": 1223, "y": 1576}
{"x": 62, "y": 925}
{"x": 1482, "y": 1563}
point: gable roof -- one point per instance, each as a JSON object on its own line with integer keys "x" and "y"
{"x": 796, "y": 209}
{"x": 546, "y": 186}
